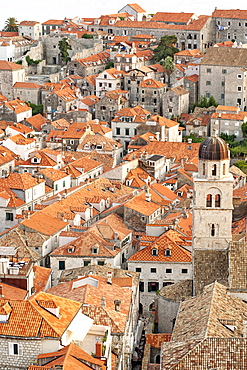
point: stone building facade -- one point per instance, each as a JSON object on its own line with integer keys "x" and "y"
{"x": 222, "y": 76}
{"x": 175, "y": 102}
{"x": 230, "y": 24}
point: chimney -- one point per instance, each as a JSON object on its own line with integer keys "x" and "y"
{"x": 148, "y": 196}
{"x": 109, "y": 277}
{"x": 71, "y": 121}
{"x": 117, "y": 303}
{"x": 244, "y": 328}
{"x": 103, "y": 301}
{"x": 98, "y": 349}
{"x": 157, "y": 136}
{"x": 1, "y": 292}
{"x": 189, "y": 140}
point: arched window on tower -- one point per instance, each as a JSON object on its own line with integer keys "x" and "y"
{"x": 224, "y": 169}
{"x": 203, "y": 169}
{"x": 214, "y": 170}
{"x": 209, "y": 200}
{"x": 213, "y": 230}
{"x": 217, "y": 200}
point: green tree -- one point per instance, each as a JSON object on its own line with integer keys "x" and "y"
{"x": 109, "y": 65}
{"x": 11, "y": 25}
{"x": 165, "y": 48}
{"x": 87, "y": 36}
{"x": 229, "y": 139}
{"x": 242, "y": 165}
{"x": 206, "y": 103}
{"x": 64, "y": 46}
{"x": 244, "y": 129}
{"x": 36, "y": 109}
{"x": 194, "y": 138}
{"x": 169, "y": 67}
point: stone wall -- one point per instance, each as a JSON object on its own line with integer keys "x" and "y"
{"x": 31, "y": 348}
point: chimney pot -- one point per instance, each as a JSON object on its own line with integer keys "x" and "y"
{"x": 98, "y": 349}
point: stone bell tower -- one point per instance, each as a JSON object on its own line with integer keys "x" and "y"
{"x": 212, "y": 214}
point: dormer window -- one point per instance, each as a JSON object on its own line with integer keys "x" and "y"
{"x": 71, "y": 249}
{"x": 95, "y": 250}
{"x": 154, "y": 252}
{"x": 168, "y": 252}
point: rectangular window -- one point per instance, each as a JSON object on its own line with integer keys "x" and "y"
{"x": 143, "y": 100}
{"x": 138, "y": 269}
{"x": 224, "y": 71}
{"x": 61, "y": 265}
{"x": 143, "y": 91}
{"x": 141, "y": 286}
{"x": 207, "y": 95}
{"x": 127, "y": 131}
{"x": 222, "y": 83}
{"x": 208, "y": 82}
{"x": 101, "y": 263}
{"x": 56, "y": 187}
{"x": 15, "y": 349}
{"x": 209, "y": 70}
{"x": 86, "y": 263}
{"x": 222, "y": 96}
{"x": 168, "y": 271}
{"x": 9, "y": 216}
{"x": 239, "y": 76}
{"x": 63, "y": 184}
{"x": 184, "y": 271}
{"x": 153, "y": 287}
{"x": 153, "y": 270}
{"x": 118, "y": 130}
{"x": 239, "y": 88}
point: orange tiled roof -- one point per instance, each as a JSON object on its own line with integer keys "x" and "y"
{"x": 172, "y": 17}
{"x": 29, "y": 319}
{"x": 140, "y": 205}
{"x": 12, "y": 292}
{"x": 18, "y": 106}
{"x": 196, "y": 25}
{"x": 4, "y": 65}
{"x": 164, "y": 242}
{"x": 42, "y": 275}
{"x": 192, "y": 53}
{"x": 137, "y": 8}
{"x": 230, "y": 13}
{"x": 152, "y": 83}
{"x": 28, "y": 23}
{"x": 91, "y": 297}
{"x": 44, "y": 224}
{"x": 53, "y": 174}
{"x": 174, "y": 150}
{"x": 22, "y": 181}
{"x": 21, "y": 140}
{"x": 37, "y": 121}
{"x": 26, "y": 85}
{"x": 69, "y": 357}
{"x": 54, "y": 21}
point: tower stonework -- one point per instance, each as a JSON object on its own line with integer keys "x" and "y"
{"x": 212, "y": 214}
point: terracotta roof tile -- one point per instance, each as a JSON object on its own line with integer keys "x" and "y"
{"x": 4, "y": 65}
{"x": 28, "y": 319}
{"x": 164, "y": 242}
